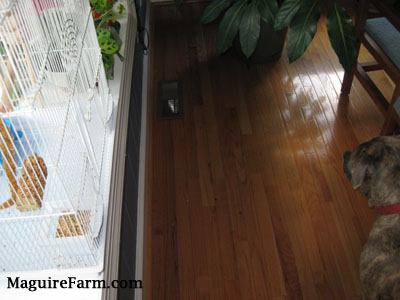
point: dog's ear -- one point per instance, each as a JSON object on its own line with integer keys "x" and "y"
{"x": 358, "y": 176}
{"x": 375, "y": 150}
{"x": 369, "y": 155}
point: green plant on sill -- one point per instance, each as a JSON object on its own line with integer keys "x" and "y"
{"x": 107, "y": 35}
{"x": 102, "y": 6}
{"x": 121, "y": 9}
{"x": 110, "y": 44}
{"x": 243, "y": 17}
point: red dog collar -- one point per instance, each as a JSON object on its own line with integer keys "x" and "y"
{"x": 388, "y": 209}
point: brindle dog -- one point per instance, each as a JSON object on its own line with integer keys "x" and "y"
{"x": 374, "y": 168}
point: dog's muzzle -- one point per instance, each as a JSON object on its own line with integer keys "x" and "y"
{"x": 346, "y": 158}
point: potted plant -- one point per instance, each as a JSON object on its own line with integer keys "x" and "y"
{"x": 243, "y": 20}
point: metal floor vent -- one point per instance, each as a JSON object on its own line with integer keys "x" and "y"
{"x": 169, "y": 102}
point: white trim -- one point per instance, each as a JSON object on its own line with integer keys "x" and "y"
{"x": 113, "y": 233}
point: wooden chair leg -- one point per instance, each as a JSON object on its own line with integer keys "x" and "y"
{"x": 349, "y": 76}
{"x": 389, "y": 125}
{"x": 390, "y": 121}
{"x": 347, "y": 81}
{"x": 362, "y": 12}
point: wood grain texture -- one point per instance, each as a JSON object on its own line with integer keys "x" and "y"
{"x": 246, "y": 194}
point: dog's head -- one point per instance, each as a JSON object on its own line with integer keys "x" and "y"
{"x": 374, "y": 168}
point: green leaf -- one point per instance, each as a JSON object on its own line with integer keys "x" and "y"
{"x": 213, "y": 10}
{"x": 108, "y": 45}
{"x": 268, "y": 9}
{"x": 229, "y": 26}
{"x": 108, "y": 60}
{"x": 342, "y": 36}
{"x": 103, "y": 32}
{"x": 249, "y": 30}
{"x": 286, "y": 13}
{"x": 302, "y": 29}
{"x": 121, "y": 9}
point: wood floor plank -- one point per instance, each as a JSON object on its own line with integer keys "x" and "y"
{"x": 184, "y": 235}
{"x": 274, "y": 279}
{"x": 203, "y": 160}
{"x": 267, "y": 159}
{"x": 247, "y": 195}
{"x": 164, "y": 228}
{"x": 211, "y": 124}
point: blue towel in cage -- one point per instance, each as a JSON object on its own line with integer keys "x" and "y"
{"x": 16, "y": 134}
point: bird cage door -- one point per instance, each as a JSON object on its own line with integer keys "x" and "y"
{"x": 54, "y": 110}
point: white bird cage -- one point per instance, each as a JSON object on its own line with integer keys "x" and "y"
{"x": 54, "y": 109}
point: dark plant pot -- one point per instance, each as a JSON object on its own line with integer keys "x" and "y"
{"x": 269, "y": 47}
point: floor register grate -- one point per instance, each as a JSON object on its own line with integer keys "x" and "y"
{"x": 169, "y": 102}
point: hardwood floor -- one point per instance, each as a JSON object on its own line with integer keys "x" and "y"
{"x": 246, "y": 198}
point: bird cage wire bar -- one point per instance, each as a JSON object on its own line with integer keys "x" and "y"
{"x": 41, "y": 48}
{"x": 17, "y": 42}
{"x": 54, "y": 109}
{"x": 78, "y": 113}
